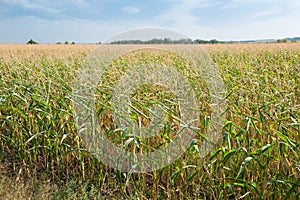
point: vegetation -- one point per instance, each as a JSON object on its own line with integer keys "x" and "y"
{"x": 31, "y": 41}
{"x": 167, "y": 41}
{"x": 282, "y": 41}
{"x": 258, "y": 155}
{"x": 66, "y": 42}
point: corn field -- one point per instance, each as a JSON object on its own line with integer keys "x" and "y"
{"x": 257, "y": 157}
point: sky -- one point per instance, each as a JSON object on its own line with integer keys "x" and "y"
{"x": 92, "y": 21}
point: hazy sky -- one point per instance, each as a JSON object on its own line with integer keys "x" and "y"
{"x": 82, "y": 21}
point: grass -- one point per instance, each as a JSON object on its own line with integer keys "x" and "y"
{"x": 258, "y": 155}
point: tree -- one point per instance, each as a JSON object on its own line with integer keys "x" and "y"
{"x": 31, "y": 41}
{"x": 66, "y": 42}
{"x": 213, "y": 41}
{"x": 282, "y": 41}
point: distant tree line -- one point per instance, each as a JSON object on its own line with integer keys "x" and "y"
{"x": 183, "y": 41}
{"x": 282, "y": 41}
{"x": 66, "y": 42}
{"x": 167, "y": 41}
{"x": 31, "y": 41}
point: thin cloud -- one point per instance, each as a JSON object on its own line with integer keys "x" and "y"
{"x": 272, "y": 12}
{"x": 243, "y": 3}
{"x": 79, "y": 3}
{"x": 182, "y": 12}
{"x": 131, "y": 10}
{"x": 32, "y": 6}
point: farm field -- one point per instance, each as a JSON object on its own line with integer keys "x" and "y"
{"x": 257, "y": 157}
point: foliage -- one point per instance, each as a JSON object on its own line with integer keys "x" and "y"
{"x": 167, "y": 41}
{"x": 31, "y": 41}
{"x": 258, "y": 156}
{"x": 282, "y": 41}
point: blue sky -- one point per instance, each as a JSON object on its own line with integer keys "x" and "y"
{"x": 83, "y": 21}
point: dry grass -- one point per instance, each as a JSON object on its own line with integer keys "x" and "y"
{"x": 12, "y": 187}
